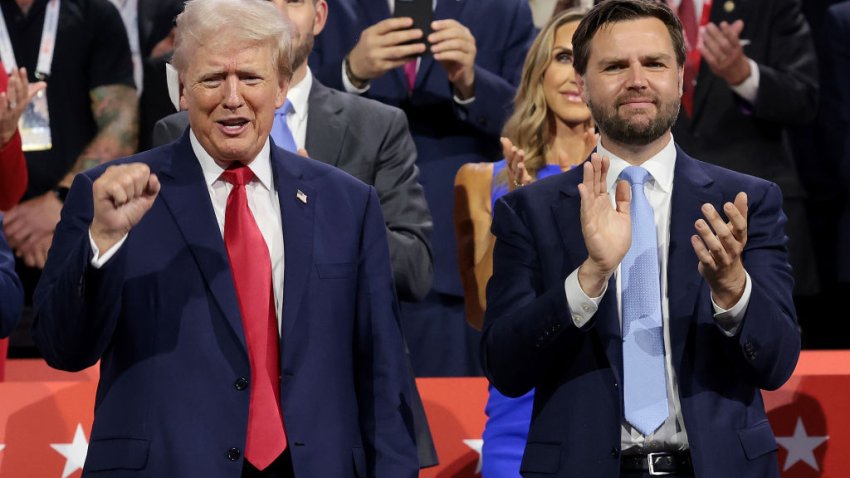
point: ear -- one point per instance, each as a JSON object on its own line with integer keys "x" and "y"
{"x": 681, "y": 80}
{"x": 184, "y": 103}
{"x": 582, "y": 88}
{"x": 321, "y": 18}
{"x": 280, "y": 99}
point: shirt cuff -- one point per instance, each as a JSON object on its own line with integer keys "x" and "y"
{"x": 349, "y": 87}
{"x": 97, "y": 261}
{"x": 582, "y": 308}
{"x": 729, "y": 320}
{"x": 749, "y": 88}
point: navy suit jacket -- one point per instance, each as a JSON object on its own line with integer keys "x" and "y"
{"x": 446, "y": 134}
{"x": 163, "y": 318}
{"x": 530, "y": 340}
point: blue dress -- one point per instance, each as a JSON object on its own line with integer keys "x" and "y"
{"x": 506, "y": 430}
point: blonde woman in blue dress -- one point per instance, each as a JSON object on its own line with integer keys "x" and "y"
{"x": 550, "y": 131}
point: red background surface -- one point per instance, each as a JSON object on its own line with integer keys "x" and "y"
{"x": 40, "y": 406}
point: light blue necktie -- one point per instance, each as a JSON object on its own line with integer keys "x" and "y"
{"x": 645, "y": 382}
{"x": 280, "y": 131}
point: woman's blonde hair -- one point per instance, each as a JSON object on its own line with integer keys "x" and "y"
{"x": 528, "y": 127}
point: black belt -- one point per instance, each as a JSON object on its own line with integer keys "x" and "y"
{"x": 660, "y": 464}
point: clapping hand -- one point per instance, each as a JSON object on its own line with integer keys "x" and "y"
{"x": 19, "y": 92}
{"x": 718, "y": 245}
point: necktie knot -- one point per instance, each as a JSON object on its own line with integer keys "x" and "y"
{"x": 285, "y": 109}
{"x": 239, "y": 175}
{"x": 635, "y": 175}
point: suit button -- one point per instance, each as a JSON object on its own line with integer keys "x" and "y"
{"x": 233, "y": 454}
{"x": 241, "y": 383}
{"x": 615, "y": 452}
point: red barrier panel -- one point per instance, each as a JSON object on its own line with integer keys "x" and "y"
{"x": 45, "y": 419}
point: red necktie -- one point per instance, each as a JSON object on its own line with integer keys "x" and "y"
{"x": 410, "y": 74}
{"x": 687, "y": 15}
{"x": 252, "y": 275}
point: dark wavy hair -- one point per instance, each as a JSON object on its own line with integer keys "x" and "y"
{"x": 615, "y": 11}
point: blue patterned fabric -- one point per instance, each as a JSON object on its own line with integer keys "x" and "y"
{"x": 644, "y": 380}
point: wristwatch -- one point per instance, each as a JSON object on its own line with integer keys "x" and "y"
{"x": 358, "y": 83}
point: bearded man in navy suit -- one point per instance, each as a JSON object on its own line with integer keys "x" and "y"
{"x": 565, "y": 314}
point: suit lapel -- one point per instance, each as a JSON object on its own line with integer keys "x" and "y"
{"x": 186, "y": 196}
{"x": 692, "y": 187}
{"x": 567, "y": 216}
{"x": 325, "y": 129}
{"x": 297, "y": 207}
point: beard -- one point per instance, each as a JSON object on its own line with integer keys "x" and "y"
{"x": 630, "y": 130}
{"x": 301, "y": 49}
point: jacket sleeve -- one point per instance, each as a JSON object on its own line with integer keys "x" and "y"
{"x": 406, "y": 213}
{"x": 525, "y": 321}
{"x": 768, "y": 344}
{"x": 788, "y": 74}
{"x": 76, "y": 306}
{"x": 381, "y": 367}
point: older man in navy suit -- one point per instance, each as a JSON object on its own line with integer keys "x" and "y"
{"x": 647, "y": 295}
{"x": 239, "y": 297}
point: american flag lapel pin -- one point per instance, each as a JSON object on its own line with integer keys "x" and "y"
{"x": 301, "y": 196}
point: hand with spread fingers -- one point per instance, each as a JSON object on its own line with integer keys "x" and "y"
{"x": 607, "y": 230}
{"x": 722, "y": 50}
{"x": 718, "y": 245}
{"x": 14, "y": 101}
{"x": 384, "y": 46}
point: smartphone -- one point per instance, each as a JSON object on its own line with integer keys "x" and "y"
{"x": 421, "y": 11}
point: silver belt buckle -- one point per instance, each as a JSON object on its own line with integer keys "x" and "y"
{"x": 651, "y": 464}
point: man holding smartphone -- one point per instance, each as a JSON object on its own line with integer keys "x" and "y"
{"x": 455, "y": 84}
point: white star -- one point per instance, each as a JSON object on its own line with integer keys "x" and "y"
{"x": 2, "y": 446}
{"x": 476, "y": 446}
{"x": 74, "y": 452}
{"x": 801, "y": 446}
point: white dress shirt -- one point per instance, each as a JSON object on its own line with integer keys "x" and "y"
{"x": 299, "y": 95}
{"x": 262, "y": 201}
{"x": 671, "y": 435}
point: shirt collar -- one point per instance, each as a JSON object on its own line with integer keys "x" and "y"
{"x": 659, "y": 166}
{"x": 261, "y": 165}
{"x": 298, "y": 95}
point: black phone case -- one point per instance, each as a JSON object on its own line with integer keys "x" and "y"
{"x": 422, "y": 13}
